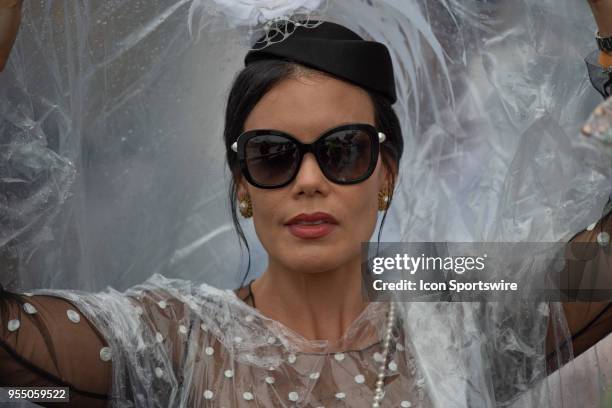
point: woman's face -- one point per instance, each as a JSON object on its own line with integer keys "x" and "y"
{"x": 306, "y": 107}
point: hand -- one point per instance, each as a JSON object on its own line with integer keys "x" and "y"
{"x": 602, "y": 11}
{"x": 10, "y": 17}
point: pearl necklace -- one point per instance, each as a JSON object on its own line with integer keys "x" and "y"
{"x": 380, "y": 378}
{"x": 379, "y": 393}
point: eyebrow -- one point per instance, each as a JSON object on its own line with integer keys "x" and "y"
{"x": 320, "y": 133}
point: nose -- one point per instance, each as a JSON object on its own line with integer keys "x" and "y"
{"x": 310, "y": 180}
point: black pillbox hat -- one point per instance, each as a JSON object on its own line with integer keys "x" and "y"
{"x": 334, "y": 49}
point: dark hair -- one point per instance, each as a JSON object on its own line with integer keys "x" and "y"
{"x": 252, "y": 83}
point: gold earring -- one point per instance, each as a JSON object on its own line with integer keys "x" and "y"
{"x": 246, "y": 208}
{"x": 383, "y": 200}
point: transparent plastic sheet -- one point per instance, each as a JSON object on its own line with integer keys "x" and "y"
{"x": 111, "y": 123}
{"x": 174, "y": 342}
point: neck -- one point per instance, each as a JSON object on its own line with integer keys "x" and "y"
{"x": 317, "y": 305}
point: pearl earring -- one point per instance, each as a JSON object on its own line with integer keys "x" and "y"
{"x": 246, "y": 208}
{"x": 383, "y": 200}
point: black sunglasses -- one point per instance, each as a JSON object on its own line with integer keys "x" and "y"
{"x": 346, "y": 154}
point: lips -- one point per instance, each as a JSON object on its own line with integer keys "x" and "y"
{"x": 311, "y": 226}
{"x": 314, "y": 218}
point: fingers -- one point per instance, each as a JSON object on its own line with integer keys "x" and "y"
{"x": 10, "y": 17}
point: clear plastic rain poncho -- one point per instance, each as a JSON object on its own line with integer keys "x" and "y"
{"x": 112, "y": 175}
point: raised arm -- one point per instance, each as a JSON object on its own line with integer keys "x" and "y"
{"x": 590, "y": 321}
{"x": 47, "y": 341}
{"x": 101, "y": 345}
{"x": 602, "y": 11}
{"x": 10, "y": 17}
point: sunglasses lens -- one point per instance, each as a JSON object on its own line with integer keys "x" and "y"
{"x": 346, "y": 155}
{"x": 271, "y": 159}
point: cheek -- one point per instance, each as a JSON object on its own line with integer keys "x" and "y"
{"x": 364, "y": 204}
{"x": 361, "y": 212}
{"x": 265, "y": 213}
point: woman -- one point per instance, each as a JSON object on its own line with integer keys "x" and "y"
{"x": 299, "y": 334}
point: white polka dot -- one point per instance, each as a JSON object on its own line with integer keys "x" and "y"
{"x": 158, "y": 337}
{"x": 293, "y": 396}
{"x": 159, "y": 372}
{"x": 208, "y": 394}
{"x": 392, "y": 366}
{"x": 314, "y": 376}
{"x": 271, "y": 340}
{"x": 359, "y": 379}
{"x": 238, "y": 339}
{"x": 270, "y": 380}
{"x": 105, "y": 354}
{"x": 229, "y": 373}
{"x": 209, "y": 350}
{"x": 249, "y": 318}
{"x": 603, "y": 238}
{"x": 247, "y": 396}
{"x": 203, "y": 327}
{"x": 13, "y": 325}
{"x": 162, "y": 304}
{"x": 291, "y": 358}
{"x": 73, "y": 316}
{"x": 339, "y": 356}
{"x": 29, "y": 308}
{"x": 405, "y": 404}
{"x": 340, "y": 395}
{"x": 378, "y": 357}
{"x": 182, "y": 329}
{"x": 543, "y": 309}
{"x": 400, "y": 347}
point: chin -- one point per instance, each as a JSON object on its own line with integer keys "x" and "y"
{"x": 314, "y": 259}
{"x": 313, "y": 269}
